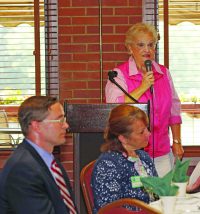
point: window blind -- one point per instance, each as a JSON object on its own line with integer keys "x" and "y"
{"x": 19, "y": 49}
{"x": 28, "y": 57}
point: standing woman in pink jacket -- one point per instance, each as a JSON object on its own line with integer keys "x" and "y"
{"x": 165, "y": 106}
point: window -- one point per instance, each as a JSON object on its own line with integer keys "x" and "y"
{"x": 28, "y": 50}
{"x": 28, "y": 54}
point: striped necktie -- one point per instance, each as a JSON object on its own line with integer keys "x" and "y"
{"x": 62, "y": 187}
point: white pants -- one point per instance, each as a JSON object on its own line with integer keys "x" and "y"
{"x": 164, "y": 164}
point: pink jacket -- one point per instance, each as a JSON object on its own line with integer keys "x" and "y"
{"x": 165, "y": 104}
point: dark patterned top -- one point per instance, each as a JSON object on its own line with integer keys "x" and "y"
{"x": 111, "y": 178}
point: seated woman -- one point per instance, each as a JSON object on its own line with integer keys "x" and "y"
{"x": 118, "y": 170}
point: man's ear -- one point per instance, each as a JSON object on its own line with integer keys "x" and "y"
{"x": 35, "y": 125}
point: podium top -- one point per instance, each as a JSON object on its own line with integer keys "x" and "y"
{"x": 92, "y": 117}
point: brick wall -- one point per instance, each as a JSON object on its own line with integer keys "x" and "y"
{"x": 81, "y": 60}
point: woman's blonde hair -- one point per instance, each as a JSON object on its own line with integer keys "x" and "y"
{"x": 135, "y": 29}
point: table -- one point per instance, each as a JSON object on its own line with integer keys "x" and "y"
{"x": 190, "y": 204}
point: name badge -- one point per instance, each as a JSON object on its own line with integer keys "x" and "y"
{"x": 135, "y": 182}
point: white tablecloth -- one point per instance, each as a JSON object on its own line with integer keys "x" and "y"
{"x": 190, "y": 204}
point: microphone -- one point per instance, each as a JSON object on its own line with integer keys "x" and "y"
{"x": 112, "y": 75}
{"x": 148, "y": 65}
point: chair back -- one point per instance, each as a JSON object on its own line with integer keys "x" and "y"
{"x": 85, "y": 178}
{"x": 116, "y": 207}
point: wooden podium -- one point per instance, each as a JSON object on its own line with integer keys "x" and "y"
{"x": 87, "y": 123}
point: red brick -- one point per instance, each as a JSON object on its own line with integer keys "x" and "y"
{"x": 65, "y": 3}
{"x": 92, "y": 30}
{"x": 72, "y": 29}
{"x": 135, "y": 3}
{"x": 110, "y": 65}
{"x": 72, "y": 66}
{"x": 68, "y": 147}
{"x": 84, "y": 3}
{"x": 113, "y": 38}
{"x": 108, "y": 47}
{"x": 108, "y": 29}
{"x": 114, "y": 3}
{"x": 68, "y": 165}
{"x": 94, "y": 84}
{"x": 65, "y": 94}
{"x": 135, "y": 19}
{"x": 78, "y": 100}
{"x": 66, "y": 156}
{"x": 72, "y": 48}
{"x": 92, "y": 66}
{"x": 121, "y": 48}
{"x": 85, "y": 20}
{"x": 107, "y": 11}
{"x": 122, "y": 28}
{"x": 86, "y": 57}
{"x": 86, "y": 39}
{"x": 93, "y": 47}
{"x": 65, "y": 57}
{"x": 114, "y": 56}
{"x": 86, "y": 75}
{"x": 115, "y": 20}
{"x": 73, "y": 85}
{"x": 128, "y": 11}
{"x": 70, "y": 11}
{"x": 92, "y": 11}
{"x": 95, "y": 101}
{"x": 66, "y": 75}
{"x": 64, "y": 20}
{"x": 86, "y": 93}
{"x": 64, "y": 39}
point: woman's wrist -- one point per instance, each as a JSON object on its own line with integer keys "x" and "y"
{"x": 176, "y": 141}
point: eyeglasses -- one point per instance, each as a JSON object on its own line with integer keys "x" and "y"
{"x": 142, "y": 45}
{"x": 63, "y": 120}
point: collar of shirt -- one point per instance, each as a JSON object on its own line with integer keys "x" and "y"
{"x": 133, "y": 68}
{"x": 46, "y": 156}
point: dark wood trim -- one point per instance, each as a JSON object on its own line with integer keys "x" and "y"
{"x": 191, "y": 151}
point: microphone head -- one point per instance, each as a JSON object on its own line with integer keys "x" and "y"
{"x": 112, "y": 74}
{"x": 148, "y": 65}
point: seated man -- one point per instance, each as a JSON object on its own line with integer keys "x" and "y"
{"x": 30, "y": 181}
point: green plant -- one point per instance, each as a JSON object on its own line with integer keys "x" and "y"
{"x": 14, "y": 98}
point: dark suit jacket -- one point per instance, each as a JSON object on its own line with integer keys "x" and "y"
{"x": 27, "y": 186}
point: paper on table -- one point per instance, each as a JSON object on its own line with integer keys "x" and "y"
{"x": 195, "y": 174}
